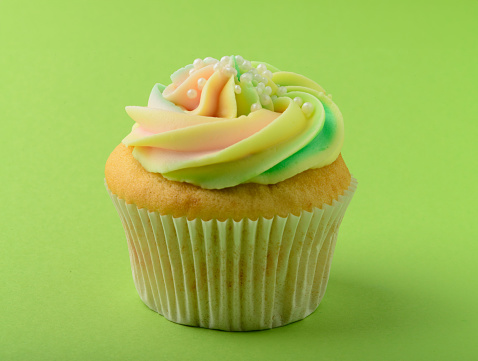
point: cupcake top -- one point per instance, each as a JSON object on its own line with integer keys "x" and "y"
{"x": 223, "y": 123}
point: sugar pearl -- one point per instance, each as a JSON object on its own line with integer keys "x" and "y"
{"x": 256, "y": 106}
{"x": 257, "y": 77}
{"x": 239, "y": 60}
{"x": 247, "y": 65}
{"x": 267, "y": 90}
{"x": 261, "y": 68}
{"x": 198, "y": 63}
{"x": 265, "y": 99}
{"x": 201, "y": 83}
{"x": 210, "y": 60}
{"x": 281, "y": 91}
{"x": 229, "y": 70}
{"x": 307, "y": 108}
{"x": 267, "y": 74}
{"x": 237, "y": 89}
{"x": 246, "y": 77}
{"x": 192, "y": 93}
{"x": 299, "y": 101}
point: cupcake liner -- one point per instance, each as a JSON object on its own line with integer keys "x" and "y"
{"x": 232, "y": 275}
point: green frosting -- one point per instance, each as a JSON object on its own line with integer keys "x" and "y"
{"x": 254, "y": 123}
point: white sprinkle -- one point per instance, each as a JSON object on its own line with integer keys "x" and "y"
{"x": 239, "y": 60}
{"x": 246, "y": 77}
{"x": 307, "y": 108}
{"x": 192, "y": 93}
{"x": 192, "y": 71}
{"x": 273, "y": 97}
{"x": 229, "y": 70}
{"x": 261, "y": 68}
{"x": 237, "y": 89}
{"x": 210, "y": 60}
{"x": 198, "y": 63}
{"x": 299, "y": 101}
{"x": 267, "y": 90}
{"x": 256, "y": 106}
{"x": 265, "y": 99}
{"x": 247, "y": 65}
{"x": 281, "y": 91}
{"x": 261, "y": 85}
{"x": 201, "y": 83}
{"x": 225, "y": 60}
{"x": 217, "y": 66}
{"x": 257, "y": 77}
{"x": 259, "y": 90}
{"x": 267, "y": 74}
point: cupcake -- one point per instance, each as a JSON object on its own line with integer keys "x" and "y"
{"x": 231, "y": 188}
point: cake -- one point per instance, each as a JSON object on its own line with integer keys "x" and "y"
{"x": 231, "y": 188}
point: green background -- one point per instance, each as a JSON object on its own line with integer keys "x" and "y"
{"x": 403, "y": 280}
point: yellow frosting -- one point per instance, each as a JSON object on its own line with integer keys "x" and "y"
{"x": 223, "y": 123}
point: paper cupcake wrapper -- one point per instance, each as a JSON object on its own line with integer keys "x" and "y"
{"x": 229, "y": 275}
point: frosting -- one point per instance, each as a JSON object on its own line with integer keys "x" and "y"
{"x": 228, "y": 122}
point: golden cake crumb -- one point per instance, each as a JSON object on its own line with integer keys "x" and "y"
{"x": 127, "y": 179}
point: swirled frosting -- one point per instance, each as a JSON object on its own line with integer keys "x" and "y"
{"x": 223, "y": 123}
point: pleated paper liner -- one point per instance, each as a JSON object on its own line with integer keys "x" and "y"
{"x": 228, "y": 275}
